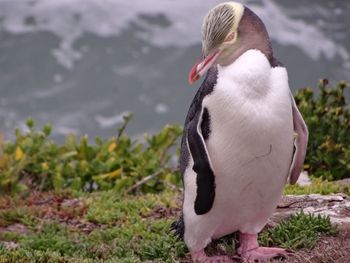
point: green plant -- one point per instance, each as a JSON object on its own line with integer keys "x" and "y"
{"x": 318, "y": 186}
{"x": 35, "y": 161}
{"x": 298, "y": 231}
{"x": 328, "y": 120}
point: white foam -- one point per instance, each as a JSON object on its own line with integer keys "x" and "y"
{"x": 71, "y": 19}
{"x": 48, "y": 92}
{"x": 110, "y": 121}
{"x": 296, "y": 32}
{"x": 64, "y": 130}
{"x": 70, "y": 122}
{"x": 58, "y": 78}
{"x": 161, "y": 108}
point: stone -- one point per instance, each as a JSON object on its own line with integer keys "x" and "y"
{"x": 336, "y": 206}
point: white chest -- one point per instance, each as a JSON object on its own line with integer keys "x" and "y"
{"x": 250, "y": 114}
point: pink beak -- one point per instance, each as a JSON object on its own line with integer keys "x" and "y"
{"x": 200, "y": 68}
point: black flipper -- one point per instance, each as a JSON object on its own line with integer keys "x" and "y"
{"x": 205, "y": 176}
{"x": 205, "y": 89}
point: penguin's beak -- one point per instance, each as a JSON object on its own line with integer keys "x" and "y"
{"x": 200, "y": 68}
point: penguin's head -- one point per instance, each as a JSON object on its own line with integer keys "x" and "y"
{"x": 228, "y": 30}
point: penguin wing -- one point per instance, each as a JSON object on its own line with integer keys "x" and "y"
{"x": 300, "y": 143}
{"x": 201, "y": 165}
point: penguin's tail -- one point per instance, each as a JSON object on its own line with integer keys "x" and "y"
{"x": 178, "y": 227}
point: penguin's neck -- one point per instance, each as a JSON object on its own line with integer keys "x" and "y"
{"x": 250, "y": 73}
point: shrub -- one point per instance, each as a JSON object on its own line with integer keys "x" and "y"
{"x": 35, "y": 161}
{"x": 328, "y": 120}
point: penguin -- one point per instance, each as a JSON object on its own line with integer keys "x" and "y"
{"x": 243, "y": 137}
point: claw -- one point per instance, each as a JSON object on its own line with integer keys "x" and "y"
{"x": 250, "y": 250}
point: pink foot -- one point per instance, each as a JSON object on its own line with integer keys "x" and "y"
{"x": 250, "y": 250}
{"x": 264, "y": 253}
{"x": 201, "y": 257}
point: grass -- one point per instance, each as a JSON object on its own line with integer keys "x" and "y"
{"x": 298, "y": 231}
{"x": 105, "y": 226}
{"x": 318, "y": 186}
{"x": 109, "y": 228}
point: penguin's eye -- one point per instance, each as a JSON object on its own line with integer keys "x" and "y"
{"x": 230, "y": 37}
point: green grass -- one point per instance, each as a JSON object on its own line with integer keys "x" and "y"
{"x": 125, "y": 230}
{"x": 298, "y": 231}
{"x": 106, "y": 226}
{"x": 318, "y": 186}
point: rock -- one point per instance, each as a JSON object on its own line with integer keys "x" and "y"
{"x": 336, "y": 206}
{"x": 304, "y": 179}
{"x": 344, "y": 181}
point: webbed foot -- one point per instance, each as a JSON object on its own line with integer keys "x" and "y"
{"x": 249, "y": 249}
{"x": 264, "y": 253}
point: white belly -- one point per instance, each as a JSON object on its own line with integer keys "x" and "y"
{"x": 250, "y": 147}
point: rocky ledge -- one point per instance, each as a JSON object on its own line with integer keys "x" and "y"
{"x": 336, "y": 206}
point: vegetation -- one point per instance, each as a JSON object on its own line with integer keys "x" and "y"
{"x": 328, "y": 120}
{"x": 298, "y": 231}
{"x": 318, "y": 186}
{"x": 98, "y": 227}
{"x": 114, "y": 200}
{"x": 36, "y": 162}
{"x": 104, "y": 226}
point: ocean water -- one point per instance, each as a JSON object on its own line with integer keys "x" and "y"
{"x": 82, "y": 64}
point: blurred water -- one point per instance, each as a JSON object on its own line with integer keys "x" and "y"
{"x": 81, "y": 64}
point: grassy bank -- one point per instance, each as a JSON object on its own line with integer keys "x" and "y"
{"x": 66, "y": 226}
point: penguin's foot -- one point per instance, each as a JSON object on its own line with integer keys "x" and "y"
{"x": 264, "y": 253}
{"x": 249, "y": 249}
{"x": 201, "y": 257}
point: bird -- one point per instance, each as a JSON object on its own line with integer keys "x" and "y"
{"x": 243, "y": 137}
